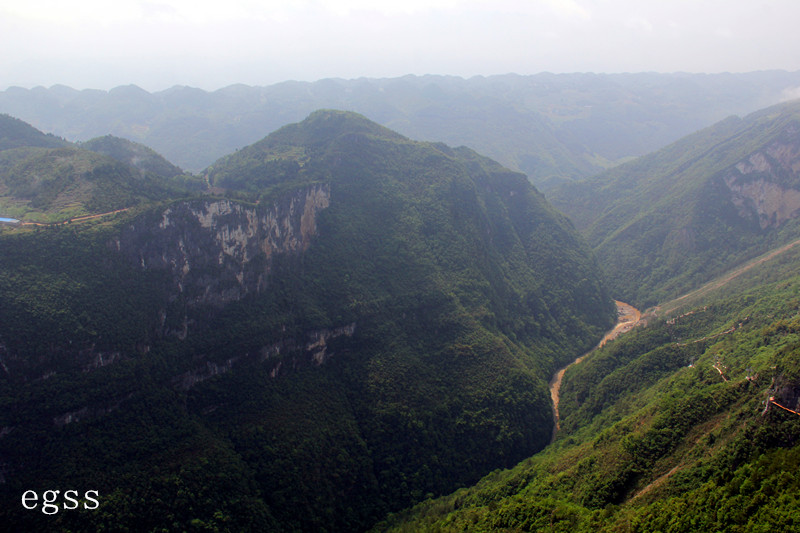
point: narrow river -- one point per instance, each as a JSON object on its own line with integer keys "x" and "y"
{"x": 627, "y": 317}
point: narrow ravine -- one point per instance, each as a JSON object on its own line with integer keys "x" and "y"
{"x": 627, "y": 317}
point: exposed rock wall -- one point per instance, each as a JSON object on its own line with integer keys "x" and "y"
{"x": 219, "y": 250}
{"x": 211, "y": 252}
{"x": 764, "y": 186}
{"x": 768, "y": 203}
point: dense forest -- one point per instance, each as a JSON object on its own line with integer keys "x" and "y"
{"x": 688, "y": 423}
{"x": 347, "y": 322}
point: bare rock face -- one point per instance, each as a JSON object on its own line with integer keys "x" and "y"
{"x": 219, "y": 250}
{"x": 761, "y": 186}
{"x": 768, "y": 203}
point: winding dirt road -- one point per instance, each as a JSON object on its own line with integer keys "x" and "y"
{"x": 627, "y": 317}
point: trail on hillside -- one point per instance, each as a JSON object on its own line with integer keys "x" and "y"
{"x": 74, "y": 219}
{"x": 672, "y": 305}
{"x": 627, "y": 317}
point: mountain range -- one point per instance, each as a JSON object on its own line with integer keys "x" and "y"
{"x": 340, "y": 328}
{"x": 691, "y": 421}
{"x": 552, "y": 127}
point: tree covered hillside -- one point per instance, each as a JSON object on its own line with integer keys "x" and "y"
{"x": 357, "y": 322}
{"x": 14, "y": 133}
{"x": 44, "y": 179}
{"x": 669, "y": 221}
{"x": 688, "y": 423}
{"x": 134, "y": 154}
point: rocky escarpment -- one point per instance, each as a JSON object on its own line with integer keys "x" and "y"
{"x": 764, "y": 187}
{"x": 767, "y": 203}
{"x": 219, "y": 250}
{"x": 201, "y": 253}
{"x": 210, "y": 252}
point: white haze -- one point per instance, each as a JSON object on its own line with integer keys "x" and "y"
{"x": 159, "y": 43}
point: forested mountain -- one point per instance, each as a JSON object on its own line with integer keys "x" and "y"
{"x": 14, "y": 133}
{"x": 47, "y": 179}
{"x": 551, "y": 127}
{"x": 353, "y": 322}
{"x": 675, "y": 218}
{"x": 135, "y": 154}
{"x": 690, "y": 423}
{"x": 337, "y": 322}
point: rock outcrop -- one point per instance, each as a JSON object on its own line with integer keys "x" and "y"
{"x": 759, "y": 188}
{"x": 219, "y": 250}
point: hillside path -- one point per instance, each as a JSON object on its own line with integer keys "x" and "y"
{"x": 627, "y": 317}
{"x": 74, "y": 219}
{"x": 672, "y": 305}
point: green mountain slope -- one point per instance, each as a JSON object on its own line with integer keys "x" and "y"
{"x": 360, "y": 321}
{"x": 134, "y": 154}
{"x": 46, "y": 180}
{"x": 688, "y": 424}
{"x": 671, "y": 220}
{"x": 15, "y": 133}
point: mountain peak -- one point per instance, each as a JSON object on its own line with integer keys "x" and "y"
{"x": 280, "y": 157}
{"x": 131, "y": 153}
{"x": 325, "y": 125}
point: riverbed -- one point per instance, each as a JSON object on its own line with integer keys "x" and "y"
{"x": 627, "y": 317}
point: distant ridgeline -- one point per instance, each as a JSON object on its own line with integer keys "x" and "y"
{"x": 351, "y": 323}
{"x": 552, "y": 127}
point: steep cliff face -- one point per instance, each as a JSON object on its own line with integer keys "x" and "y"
{"x": 183, "y": 258}
{"x": 763, "y": 186}
{"x": 218, "y": 251}
{"x": 277, "y": 358}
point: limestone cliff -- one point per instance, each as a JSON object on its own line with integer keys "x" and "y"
{"x": 203, "y": 253}
{"x": 758, "y": 185}
{"x": 219, "y": 250}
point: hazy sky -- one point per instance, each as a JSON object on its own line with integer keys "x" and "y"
{"x": 160, "y": 43}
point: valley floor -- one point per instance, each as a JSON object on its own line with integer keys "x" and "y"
{"x": 627, "y": 318}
